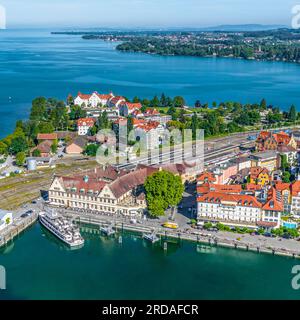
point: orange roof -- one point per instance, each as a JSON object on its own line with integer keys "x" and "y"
{"x": 206, "y": 176}
{"x": 86, "y": 122}
{"x": 274, "y": 202}
{"x": 207, "y": 187}
{"x": 84, "y": 96}
{"x": 263, "y": 135}
{"x": 47, "y": 136}
{"x": 237, "y": 199}
{"x": 280, "y": 186}
{"x": 252, "y": 187}
{"x": 282, "y": 138}
{"x": 132, "y": 106}
{"x": 104, "y": 96}
{"x": 147, "y": 126}
{"x": 295, "y": 188}
{"x": 256, "y": 171}
{"x": 151, "y": 112}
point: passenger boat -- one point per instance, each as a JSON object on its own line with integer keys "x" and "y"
{"x": 61, "y": 228}
{"x": 170, "y": 225}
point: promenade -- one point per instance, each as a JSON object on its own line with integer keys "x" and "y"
{"x": 260, "y": 244}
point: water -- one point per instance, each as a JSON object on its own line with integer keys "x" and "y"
{"x": 39, "y": 266}
{"x": 36, "y": 63}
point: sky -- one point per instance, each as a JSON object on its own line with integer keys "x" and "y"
{"x": 146, "y": 13}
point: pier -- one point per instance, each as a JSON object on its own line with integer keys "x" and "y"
{"x": 194, "y": 236}
{"x": 15, "y": 229}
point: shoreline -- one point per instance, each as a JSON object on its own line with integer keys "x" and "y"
{"x": 213, "y": 240}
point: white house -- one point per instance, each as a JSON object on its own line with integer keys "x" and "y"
{"x": 84, "y": 125}
{"x": 149, "y": 133}
{"x": 6, "y": 219}
{"x": 93, "y": 100}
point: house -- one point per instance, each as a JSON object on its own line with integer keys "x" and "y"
{"x": 295, "y": 199}
{"x": 259, "y": 176}
{"x": 46, "y": 136}
{"x": 84, "y": 125}
{"x": 272, "y": 209}
{"x": 265, "y": 159}
{"x": 285, "y": 191}
{"x": 149, "y": 134}
{"x": 222, "y": 188}
{"x": 224, "y": 172}
{"x": 290, "y": 153}
{"x": 93, "y": 100}
{"x": 116, "y": 101}
{"x": 206, "y": 177}
{"x": 76, "y": 146}
{"x": 271, "y": 141}
{"x": 127, "y": 108}
{"x": 6, "y": 219}
{"x": 44, "y": 148}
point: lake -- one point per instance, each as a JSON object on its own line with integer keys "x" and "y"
{"x": 35, "y": 63}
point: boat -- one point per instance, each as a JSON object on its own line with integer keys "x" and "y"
{"x": 152, "y": 237}
{"x": 170, "y": 225}
{"x": 62, "y": 228}
{"x": 109, "y": 231}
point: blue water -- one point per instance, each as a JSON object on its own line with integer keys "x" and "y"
{"x": 36, "y": 63}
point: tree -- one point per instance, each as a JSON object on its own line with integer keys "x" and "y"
{"x": 154, "y": 102}
{"x": 286, "y": 177}
{"x": 136, "y": 99}
{"x": 54, "y": 146}
{"x": 178, "y": 102}
{"x": 18, "y": 144}
{"x": 292, "y": 113}
{"x": 198, "y": 104}
{"x": 20, "y": 158}
{"x": 163, "y": 189}
{"x": 91, "y": 150}
{"x": 38, "y": 109}
{"x": 263, "y": 104}
{"x": 36, "y": 153}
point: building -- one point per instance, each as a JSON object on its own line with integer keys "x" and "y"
{"x": 127, "y": 108}
{"x": 84, "y": 125}
{"x": 240, "y": 209}
{"x": 259, "y": 176}
{"x": 271, "y": 141}
{"x": 290, "y": 153}
{"x": 225, "y": 172}
{"x": 232, "y": 209}
{"x": 285, "y": 191}
{"x": 46, "y": 136}
{"x": 295, "y": 199}
{"x": 102, "y": 190}
{"x": 76, "y": 146}
{"x": 116, "y": 101}
{"x": 206, "y": 177}
{"x": 93, "y": 100}
{"x": 45, "y": 148}
{"x": 149, "y": 134}
{"x": 265, "y": 159}
{"x": 6, "y": 219}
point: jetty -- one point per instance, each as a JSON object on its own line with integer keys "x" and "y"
{"x": 109, "y": 231}
{"x": 14, "y": 230}
{"x": 152, "y": 237}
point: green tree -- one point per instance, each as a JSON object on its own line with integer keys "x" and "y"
{"x": 18, "y": 144}
{"x": 91, "y": 150}
{"x": 20, "y": 158}
{"x": 292, "y": 113}
{"x": 178, "y": 102}
{"x": 286, "y": 177}
{"x": 163, "y": 189}
{"x": 36, "y": 153}
{"x": 38, "y": 109}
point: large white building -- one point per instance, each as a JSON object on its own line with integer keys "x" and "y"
{"x": 93, "y": 100}
{"x": 102, "y": 190}
{"x": 240, "y": 209}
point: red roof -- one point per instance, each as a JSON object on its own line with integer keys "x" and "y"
{"x": 274, "y": 201}
{"x": 86, "y": 122}
{"x": 133, "y": 106}
{"x": 295, "y": 188}
{"x": 280, "y": 186}
{"x": 151, "y": 112}
{"x": 147, "y": 126}
{"x": 252, "y": 187}
{"x": 237, "y": 199}
{"x": 282, "y": 138}
{"x": 83, "y": 96}
{"x": 206, "y": 176}
{"x": 47, "y": 136}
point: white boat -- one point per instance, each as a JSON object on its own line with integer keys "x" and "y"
{"x": 61, "y": 228}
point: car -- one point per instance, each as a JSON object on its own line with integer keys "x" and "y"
{"x": 33, "y": 202}
{"x": 29, "y": 212}
{"x": 24, "y": 215}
